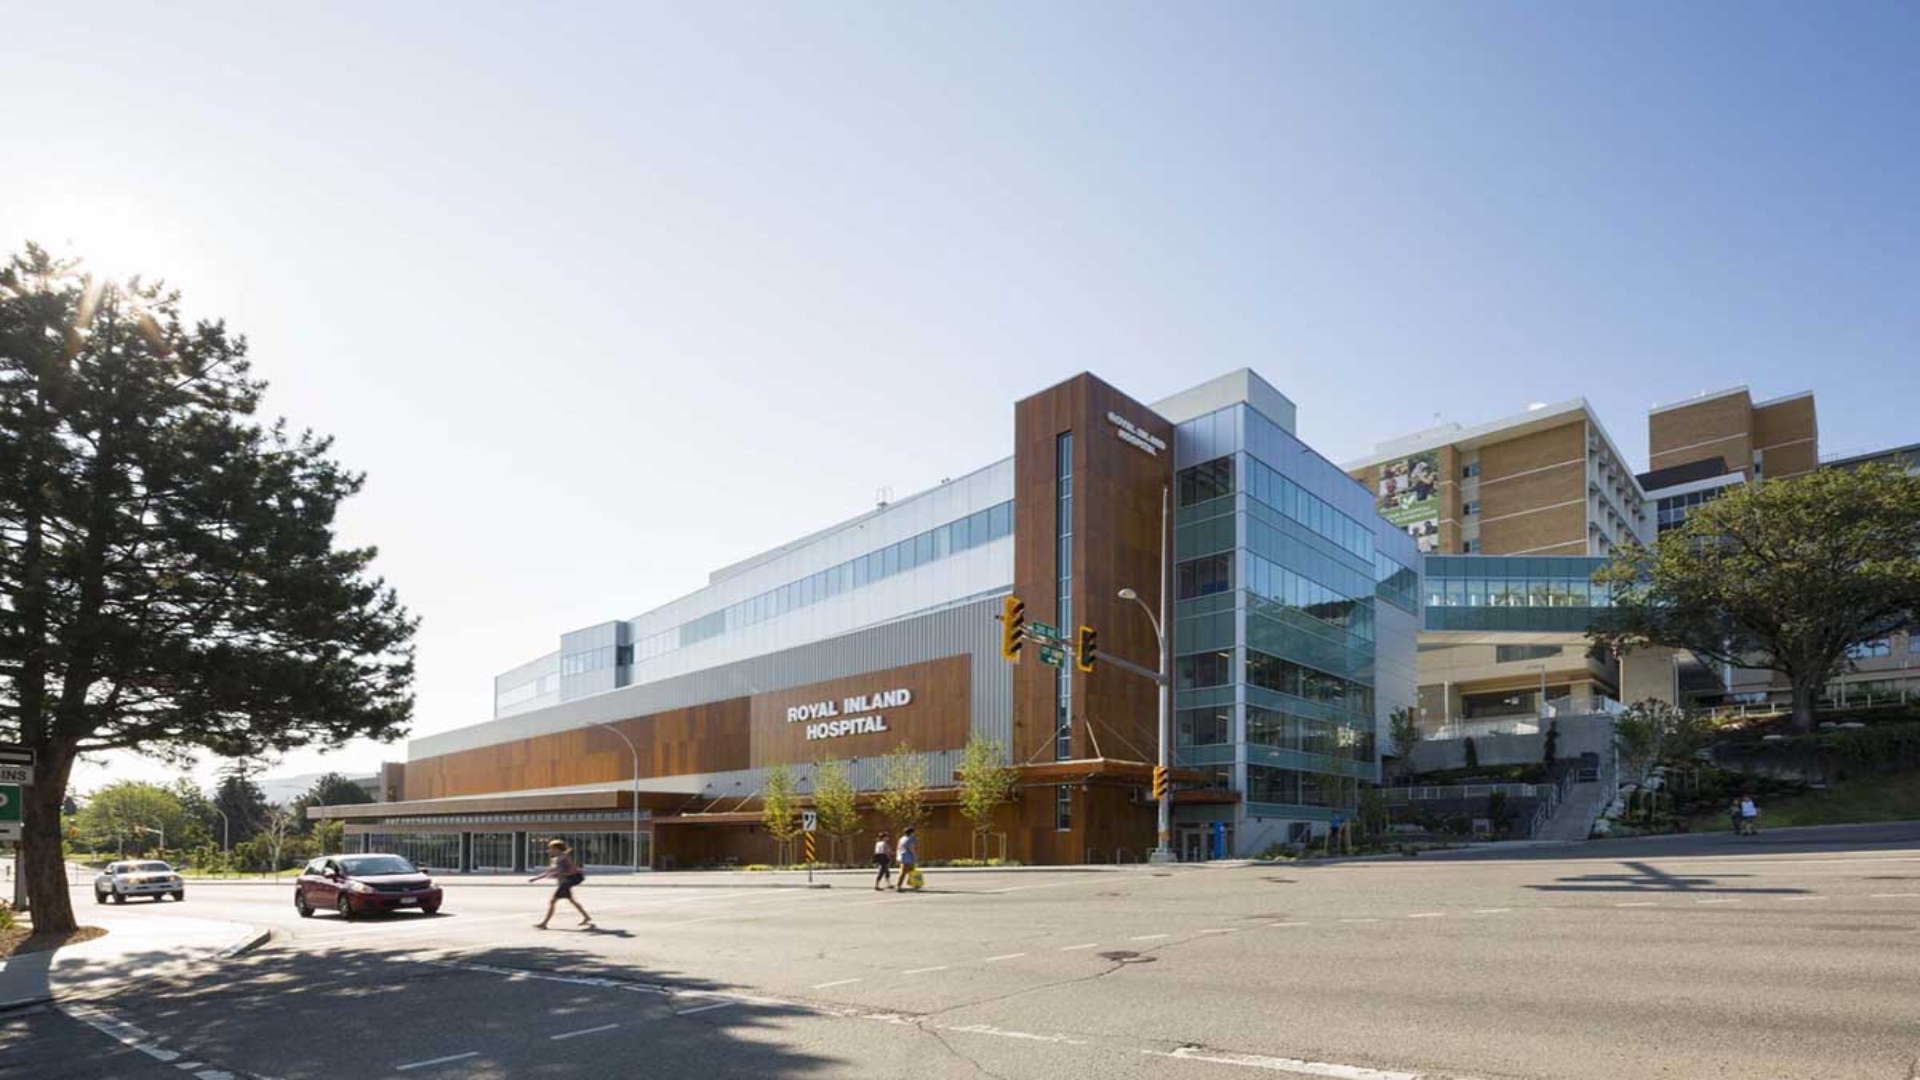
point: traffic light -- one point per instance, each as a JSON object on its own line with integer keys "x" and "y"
{"x": 1085, "y": 652}
{"x": 1159, "y": 781}
{"x": 1013, "y": 627}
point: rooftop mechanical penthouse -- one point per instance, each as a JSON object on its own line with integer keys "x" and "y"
{"x": 1293, "y": 623}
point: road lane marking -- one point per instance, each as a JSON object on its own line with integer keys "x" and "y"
{"x": 1428, "y": 915}
{"x": 1639, "y": 903}
{"x": 120, "y": 1031}
{"x": 1077, "y": 948}
{"x": 1359, "y": 920}
{"x": 1280, "y": 1064}
{"x": 1716, "y": 901}
{"x": 1003, "y": 956}
{"x": 1288, "y": 924}
{"x": 924, "y": 970}
{"x": 1003, "y": 1033}
{"x": 1894, "y": 895}
{"x": 584, "y": 1031}
{"x": 436, "y": 1061}
{"x": 836, "y": 982}
{"x": 705, "y": 1008}
{"x": 1149, "y": 937}
{"x": 1227, "y": 930}
{"x": 1796, "y": 899}
{"x": 1492, "y": 910}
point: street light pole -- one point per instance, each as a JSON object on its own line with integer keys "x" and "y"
{"x": 636, "y": 788}
{"x": 226, "y": 830}
{"x": 1163, "y": 848}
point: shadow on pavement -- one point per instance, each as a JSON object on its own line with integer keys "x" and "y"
{"x": 367, "y": 1010}
{"x": 1647, "y": 878}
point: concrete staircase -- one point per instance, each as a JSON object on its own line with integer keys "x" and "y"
{"x": 1579, "y": 808}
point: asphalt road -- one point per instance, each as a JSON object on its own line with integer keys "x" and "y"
{"x": 1793, "y": 954}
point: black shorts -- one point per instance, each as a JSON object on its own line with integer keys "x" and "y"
{"x": 882, "y": 862}
{"x": 564, "y": 890}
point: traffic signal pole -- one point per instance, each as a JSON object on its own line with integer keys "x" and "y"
{"x": 1163, "y": 850}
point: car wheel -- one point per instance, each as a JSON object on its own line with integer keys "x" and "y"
{"x": 434, "y": 910}
{"x": 345, "y": 907}
{"x": 300, "y": 905}
{"x": 119, "y": 898}
{"x": 179, "y": 896}
{"x": 99, "y": 897}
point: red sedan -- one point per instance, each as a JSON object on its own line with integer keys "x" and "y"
{"x": 363, "y": 884}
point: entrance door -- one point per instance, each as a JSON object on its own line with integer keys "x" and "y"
{"x": 1193, "y": 843}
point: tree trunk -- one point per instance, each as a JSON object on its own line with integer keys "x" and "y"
{"x": 42, "y": 859}
{"x": 1805, "y": 692}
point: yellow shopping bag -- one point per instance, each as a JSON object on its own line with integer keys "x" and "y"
{"x": 915, "y": 879}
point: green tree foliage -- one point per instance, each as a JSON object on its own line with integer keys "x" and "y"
{"x": 117, "y": 816}
{"x": 1650, "y": 732}
{"x": 903, "y": 788}
{"x": 986, "y": 782}
{"x": 835, "y": 800}
{"x": 780, "y": 804}
{"x": 242, "y": 801}
{"x": 329, "y": 790}
{"x": 1783, "y": 576}
{"x": 168, "y": 564}
{"x": 1403, "y": 731}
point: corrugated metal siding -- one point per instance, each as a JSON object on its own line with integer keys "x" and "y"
{"x": 964, "y": 628}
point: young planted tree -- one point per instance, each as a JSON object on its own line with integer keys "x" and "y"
{"x": 986, "y": 784}
{"x": 1783, "y": 576}
{"x": 836, "y": 802}
{"x": 132, "y": 815}
{"x": 275, "y": 833}
{"x": 779, "y": 808}
{"x": 1403, "y": 731}
{"x": 903, "y": 789}
{"x": 170, "y": 580}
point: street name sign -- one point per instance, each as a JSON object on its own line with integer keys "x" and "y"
{"x": 1040, "y": 631}
{"x": 16, "y": 764}
{"x": 16, "y": 774}
{"x": 10, "y": 807}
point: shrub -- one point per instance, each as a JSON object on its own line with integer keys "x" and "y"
{"x": 7, "y": 918}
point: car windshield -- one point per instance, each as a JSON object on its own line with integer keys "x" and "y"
{"x": 149, "y": 868}
{"x": 376, "y": 864}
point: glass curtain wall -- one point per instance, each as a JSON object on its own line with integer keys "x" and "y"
{"x": 1276, "y": 591}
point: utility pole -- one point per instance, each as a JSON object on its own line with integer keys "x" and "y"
{"x": 1162, "y": 790}
{"x": 636, "y": 788}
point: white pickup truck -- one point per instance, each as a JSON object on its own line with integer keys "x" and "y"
{"x": 146, "y": 878}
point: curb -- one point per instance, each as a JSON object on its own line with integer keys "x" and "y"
{"x": 247, "y": 944}
{"x": 24, "y": 1003}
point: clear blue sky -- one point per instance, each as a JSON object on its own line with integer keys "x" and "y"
{"x": 603, "y": 297}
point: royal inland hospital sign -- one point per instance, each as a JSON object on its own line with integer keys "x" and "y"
{"x": 857, "y": 715}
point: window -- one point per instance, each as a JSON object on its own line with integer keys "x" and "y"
{"x": 1471, "y": 547}
{"x": 1913, "y": 642}
{"x": 1203, "y": 577}
{"x": 1507, "y": 654}
{"x": 1470, "y": 470}
{"x": 1203, "y": 669}
{"x": 1470, "y": 508}
{"x": 1208, "y": 480}
{"x": 1868, "y": 650}
{"x": 1287, "y": 677}
{"x": 1063, "y": 807}
{"x": 1063, "y": 597}
{"x": 1203, "y": 727}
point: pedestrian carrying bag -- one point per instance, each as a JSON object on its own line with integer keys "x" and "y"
{"x": 915, "y": 879}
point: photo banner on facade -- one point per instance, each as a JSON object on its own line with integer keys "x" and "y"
{"x": 1409, "y": 497}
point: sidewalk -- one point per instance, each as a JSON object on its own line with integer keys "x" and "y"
{"x": 703, "y": 879}
{"x": 131, "y": 947}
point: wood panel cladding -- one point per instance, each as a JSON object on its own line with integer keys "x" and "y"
{"x": 1116, "y": 543}
{"x": 701, "y": 738}
{"x": 935, "y": 715}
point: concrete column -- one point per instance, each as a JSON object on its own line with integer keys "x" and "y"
{"x": 519, "y": 853}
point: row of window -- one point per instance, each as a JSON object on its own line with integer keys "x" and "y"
{"x": 1281, "y": 585}
{"x": 1213, "y": 726}
{"x": 1671, "y": 511}
{"x": 1868, "y": 650}
{"x": 1215, "y": 668}
{"x": 1269, "y": 486}
{"x": 1517, "y": 592}
{"x": 1291, "y": 787}
{"x": 580, "y": 663}
{"x": 952, "y": 538}
{"x": 1287, "y": 677}
{"x": 1396, "y": 584}
{"x": 1214, "y": 479}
